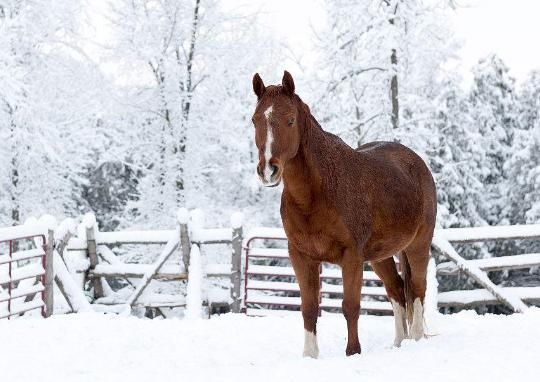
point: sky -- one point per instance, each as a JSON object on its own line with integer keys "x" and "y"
{"x": 507, "y": 27}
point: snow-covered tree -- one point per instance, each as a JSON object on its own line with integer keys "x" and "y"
{"x": 460, "y": 190}
{"x": 382, "y": 60}
{"x": 47, "y": 109}
{"x": 493, "y": 113}
{"x": 523, "y": 166}
{"x": 186, "y": 71}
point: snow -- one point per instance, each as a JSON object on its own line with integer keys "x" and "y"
{"x": 329, "y": 273}
{"x": 269, "y": 253}
{"x": 194, "y": 287}
{"x": 134, "y": 237}
{"x": 132, "y": 269}
{"x": 66, "y": 227}
{"x": 89, "y": 220}
{"x": 21, "y": 308}
{"x": 21, "y": 273}
{"x": 19, "y": 231}
{"x": 483, "y": 296}
{"x": 21, "y": 291}
{"x": 210, "y": 235}
{"x": 48, "y": 221}
{"x": 237, "y": 219}
{"x": 496, "y": 263}
{"x": 451, "y": 234}
{"x": 233, "y": 347}
{"x": 218, "y": 269}
{"x": 182, "y": 215}
{"x": 22, "y": 255}
{"x": 75, "y": 294}
{"x": 197, "y": 219}
{"x": 256, "y": 297}
{"x": 490, "y": 233}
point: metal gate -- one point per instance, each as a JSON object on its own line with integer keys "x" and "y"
{"x": 270, "y": 286}
{"x": 22, "y": 274}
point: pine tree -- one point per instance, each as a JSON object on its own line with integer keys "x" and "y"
{"x": 493, "y": 110}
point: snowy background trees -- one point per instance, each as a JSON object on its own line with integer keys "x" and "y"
{"x": 133, "y": 108}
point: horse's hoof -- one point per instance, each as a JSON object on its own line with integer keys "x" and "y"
{"x": 353, "y": 350}
{"x": 313, "y": 355}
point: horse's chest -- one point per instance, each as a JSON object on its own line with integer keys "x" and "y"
{"x": 319, "y": 235}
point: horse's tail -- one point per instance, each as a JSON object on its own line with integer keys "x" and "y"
{"x": 409, "y": 298}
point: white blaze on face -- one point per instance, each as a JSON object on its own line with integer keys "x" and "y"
{"x": 268, "y": 145}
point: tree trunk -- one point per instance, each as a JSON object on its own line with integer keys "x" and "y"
{"x": 15, "y": 213}
{"x": 394, "y": 88}
{"x": 394, "y": 91}
{"x": 188, "y": 88}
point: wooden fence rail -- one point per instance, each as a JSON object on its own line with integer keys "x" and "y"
{"x": 82, "y": 256}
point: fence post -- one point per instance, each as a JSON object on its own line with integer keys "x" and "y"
{"x": 90, "y": 225}
{"x": 48, "y": 295}
{"x": 236, "y": 263}
{"x": 182, "y": 217}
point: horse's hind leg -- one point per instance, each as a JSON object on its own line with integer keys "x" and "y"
{"x": 393, "y": 283}
{"x": 416, "y": 258}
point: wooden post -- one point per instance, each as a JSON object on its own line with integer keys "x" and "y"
{"x": 185, "y": 244}
{"x": 90, "y": 223}
{"x": 236, "y": 262}
{"x": 48, "y": 295}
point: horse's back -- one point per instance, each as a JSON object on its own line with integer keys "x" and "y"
{"x": 386, "y": 158}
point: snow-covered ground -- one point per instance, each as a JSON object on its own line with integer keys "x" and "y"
{"x": 94, "y": 347}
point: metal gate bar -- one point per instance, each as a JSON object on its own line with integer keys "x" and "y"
{"x": 39, "y": 273}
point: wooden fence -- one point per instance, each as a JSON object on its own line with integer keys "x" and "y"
{"x": 266, "y": 292}
{"x": 87, "y": 269}
{"x": 104, "y": 265}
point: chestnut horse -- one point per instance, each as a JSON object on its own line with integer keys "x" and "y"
{"x": 345, "y": 207}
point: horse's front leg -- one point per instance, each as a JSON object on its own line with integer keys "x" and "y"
{"x": 307, "y": 274}
{"x": 352, "y": 270}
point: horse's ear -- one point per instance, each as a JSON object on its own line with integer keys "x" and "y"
{"x": 288, "y": 83}
{"x": 258, "y": 85}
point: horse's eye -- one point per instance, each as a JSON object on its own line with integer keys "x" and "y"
{"x": 291, "y": 121}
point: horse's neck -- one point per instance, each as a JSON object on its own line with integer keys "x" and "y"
{"x": 302, "y": 177}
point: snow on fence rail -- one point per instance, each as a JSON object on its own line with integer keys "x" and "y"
{"x": 269, "y": 293}
{"x": 104, "y": 266}
{"x": 78, "y": 256}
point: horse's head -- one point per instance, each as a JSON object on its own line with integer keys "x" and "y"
{"x": 277, "y": 133}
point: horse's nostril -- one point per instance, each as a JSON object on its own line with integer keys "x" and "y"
{"x": 259, "y": 171}
{"x": 274, "y": 171}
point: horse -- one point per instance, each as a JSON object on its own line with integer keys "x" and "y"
{"x": 346, "y": 207}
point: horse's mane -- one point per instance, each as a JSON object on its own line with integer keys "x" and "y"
{"x": 311, "y": 124}
{"x": 305, "y": 113}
